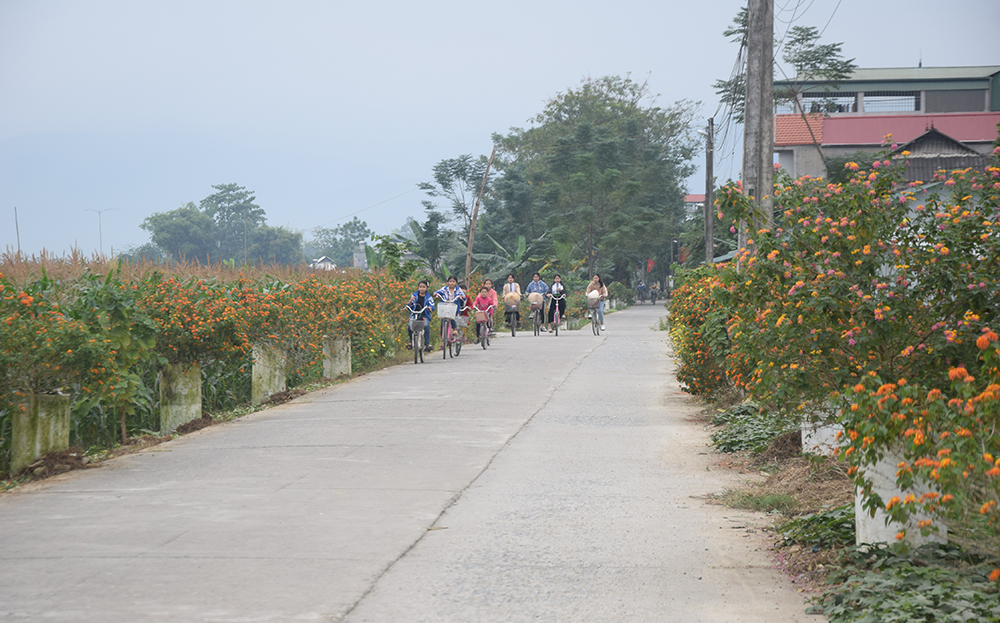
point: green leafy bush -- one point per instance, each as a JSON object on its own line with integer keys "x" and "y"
{"x": 827, "y": 529}
{"x": 746, "y": 428}
{"x": 933, "y": 583}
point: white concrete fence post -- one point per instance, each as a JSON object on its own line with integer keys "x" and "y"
{"x": 180, "y": 395}
{"x": 819, "y": 436}
{"x": 875, "y": 529}
{"x": 336, "y": 356}
{"x": 268, "y": 374}
{"x": 40, "y": 425}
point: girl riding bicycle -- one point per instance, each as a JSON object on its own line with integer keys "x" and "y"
{"x": 557, "y": 290}
{"x": 451, "y": 293}
{"x": 485, "y": 304}
{"x": 418, "y": 301}
{"x": 538, "y": 288}
{"x": 493, "y": 297}
{"x": 512, "y": 296}
{"x": 597, "y": 285}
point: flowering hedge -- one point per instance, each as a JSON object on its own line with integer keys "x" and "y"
{"x": 697, "y": 332}
{"x": 867, "y": 294}
{"x": 101, "y": 338}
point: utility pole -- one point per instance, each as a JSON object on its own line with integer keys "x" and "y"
{"x": 758, "y": 133}
{"x": 100, "y": 235}
{"x": 475, "y": 216}
{"x": 709, "y": 208}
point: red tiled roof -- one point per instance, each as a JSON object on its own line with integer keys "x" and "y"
{"x": 694, "y": 198}
{"x": 870, "y": 129}
{"x": 792, "y": 129}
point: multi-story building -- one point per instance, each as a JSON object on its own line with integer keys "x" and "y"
{"x": 946, "y": 117}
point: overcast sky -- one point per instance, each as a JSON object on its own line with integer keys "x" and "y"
{"x": 325, "y": 109}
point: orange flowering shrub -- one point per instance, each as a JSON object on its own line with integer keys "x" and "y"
{"x": 878, "y": 279}
{"x": 92, "y": 336}
{"x": 949, "y": 442}
{"x": 196, "y": 319}
{"x": 42, "y": 347}
{"x": 697, "y": 332}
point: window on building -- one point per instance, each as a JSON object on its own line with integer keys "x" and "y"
{"x": 820, "y": 103}
{"x": 892, "y": 101}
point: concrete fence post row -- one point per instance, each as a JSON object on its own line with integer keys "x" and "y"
{"x": 41, "y": 422}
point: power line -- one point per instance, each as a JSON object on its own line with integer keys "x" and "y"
{"x": 831, "y": 18}
{"x": 340, "y": 218}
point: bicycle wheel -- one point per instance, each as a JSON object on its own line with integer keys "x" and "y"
{"x": 416, "y": 345}
{"x": 444, "y": 339}
{"x": 594, "y": 324}
{"x": 484, "y": 335}
{"x": 458, "y": 345}
{"x": 512, "y": 319}
{"x": 557, "y": 319}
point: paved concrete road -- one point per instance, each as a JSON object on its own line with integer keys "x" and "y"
{"x": 547, "y": 479}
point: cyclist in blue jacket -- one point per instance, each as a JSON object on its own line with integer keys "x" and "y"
{"x": 419, "y": 300}
{"x": 451, "y": 293}
{"x": 537, "y": 286}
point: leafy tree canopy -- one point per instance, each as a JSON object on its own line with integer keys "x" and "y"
{"x": 457, "y": 181}
{"x": 275, "y": 245}
{"x": 236, "y": 215}
{"x": 800, "y": 50}
{"x": 340, "y": 243}
{"x": 186, "y": 232}
{"x": 228, "y": 226}
{"x": 601, "y": 168}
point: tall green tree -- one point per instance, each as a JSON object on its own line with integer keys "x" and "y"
{"x": 433, "y": 239}
{"x": 184, "y": 233}
{"x": 236, "y": 217}
{"x": 602, "y": 169}
{"x": 809, "y": 60}
{"x": 457, "y": 181}
{"x": 339, "y": 243}
{"x": 275, "y": 245}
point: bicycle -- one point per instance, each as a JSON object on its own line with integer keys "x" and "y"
{"x": 536, "y": 313}
{"x": 641, "y": 295}
{"x": 511, "y": 311}
{"x": 483, "y": 326}
{"x": 652, "y": 296}
{"x": 417, "y": 323}
{"x": 556, "y": 316}
{"x": 595, "y": 323}
{"x": 451, "y": 341}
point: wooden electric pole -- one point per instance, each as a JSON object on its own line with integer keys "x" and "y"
{"x": 475, "y": 216}
{"x": 709, "y": 209}
{"x": 758, "y": 133}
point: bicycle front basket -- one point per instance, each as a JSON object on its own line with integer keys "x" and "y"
{"x": 417, "y": 324}
{"x": 462, "y": 321}
{"x": 447, "y": 310}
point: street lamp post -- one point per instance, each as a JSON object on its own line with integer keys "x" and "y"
{"x": 100, "y": 234}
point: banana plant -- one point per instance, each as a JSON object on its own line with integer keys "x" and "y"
{"x": 503, "y": 262}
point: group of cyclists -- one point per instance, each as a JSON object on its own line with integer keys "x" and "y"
{"x": 487, "y": 301}
{"x": 654, "y": 291}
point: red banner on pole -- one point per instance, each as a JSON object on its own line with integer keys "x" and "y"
{"x": 649, "y": 265}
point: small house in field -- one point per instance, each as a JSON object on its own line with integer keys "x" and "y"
{"x": 323, "y": 263}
